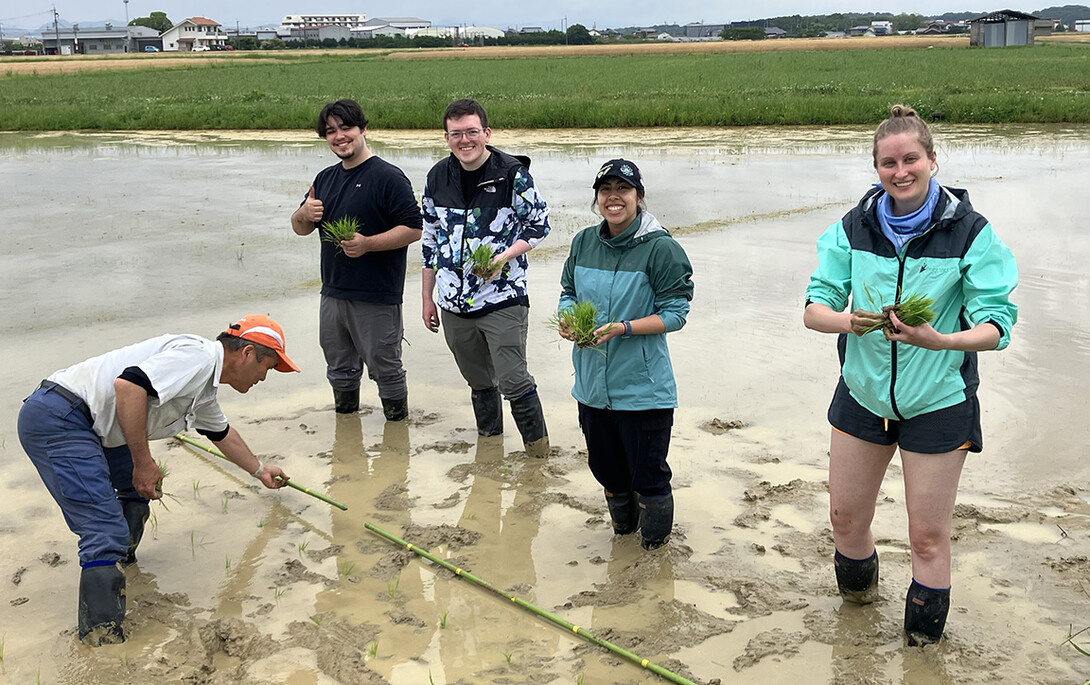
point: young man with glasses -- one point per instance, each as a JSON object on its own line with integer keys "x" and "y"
{"x": 482, "y": 197}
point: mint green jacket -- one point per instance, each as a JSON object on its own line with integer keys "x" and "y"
{"x": 959, "y": 262}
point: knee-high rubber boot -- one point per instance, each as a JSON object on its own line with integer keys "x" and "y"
{"x": 925, "y": 614}
{"x": 346, "y": 401}
{"x": 488, "y": 410}
{"x": 530, "y": 420}
{"x": 394, "y": 410}
{"x": 857, "y": 579}
{"x": 136, "y": 515}
{"x": 656, "y": 520}
{"x": 101, "y": 605}
{"x": 623, "y": 511}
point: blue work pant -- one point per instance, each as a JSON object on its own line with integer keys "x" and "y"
{"x": 87, "y": 480}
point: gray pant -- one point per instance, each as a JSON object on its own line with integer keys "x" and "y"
{"x": 491, "y": 350}
{"x": 357, "y": 334}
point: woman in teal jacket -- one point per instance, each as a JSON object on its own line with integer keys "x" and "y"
{"x": 901, "y": 386}
{"x": 639, "y": 278}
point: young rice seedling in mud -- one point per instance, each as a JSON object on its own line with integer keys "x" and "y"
{"x": 345, "y": 567}
{"x": 225, "y": 500}
{"x": 480, "y": 260}
{"x": 339, "y": 229}
{"x": 2, "y": 647}
{"x": 302, "y": 548}
{"x": 261, "y": 522}
{"x": 913, "y": 310}
{"x": 317, "y": 618}
{"x": 278, "y": 592}
{"x": 508, "y": 655}
{"x": 227, "y": 559}
{"x": 372, "y": 649}
{"x": 578, "y": 320}
{"x": 391, "y": 587}
{"x": 196, "y": 489}
{"x": 443, "y": 620}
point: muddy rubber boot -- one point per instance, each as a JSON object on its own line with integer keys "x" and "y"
{"x": 346, "y": 401}
{"x": 395, "y": 410}
{"x": 656, "y": 520}
{"x": 488, "y": 410}
{"x": 136, "y": 515}
{"x": 624, "y": 512}
{"x": 101, "y": 605}
{"x": 925, "y": 614}
{"x": 857, "y": 579}
{"x": 530, "y": 420}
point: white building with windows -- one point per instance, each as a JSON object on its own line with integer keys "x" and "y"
{"x": 194, "y": 35}
{"x": 306, "y": 21}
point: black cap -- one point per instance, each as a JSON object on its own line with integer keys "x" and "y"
{"x": 623, "y": 169}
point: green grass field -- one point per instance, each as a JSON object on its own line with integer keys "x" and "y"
{"x": 1044, "y": 83}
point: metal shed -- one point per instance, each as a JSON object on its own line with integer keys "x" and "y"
{"x": 1002, "y": 29}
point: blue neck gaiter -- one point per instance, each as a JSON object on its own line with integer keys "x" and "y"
{"x": 901, "y": 229}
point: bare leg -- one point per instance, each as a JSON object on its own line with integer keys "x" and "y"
{"x": 931, "y": 488}
{"x": 856, "y": 469}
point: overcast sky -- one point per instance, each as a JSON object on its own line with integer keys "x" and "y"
{"x": 496, "y": 13}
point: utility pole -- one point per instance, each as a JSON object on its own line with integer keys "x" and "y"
{"x": 56, "y": 30}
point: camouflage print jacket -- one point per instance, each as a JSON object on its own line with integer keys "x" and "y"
{"x": 505, "y": 207}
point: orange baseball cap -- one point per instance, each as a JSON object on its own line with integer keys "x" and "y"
{"x": 263, "y": 331}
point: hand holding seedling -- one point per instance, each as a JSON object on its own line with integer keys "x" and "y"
{"x": 864, "y": 321}
{"x": 921, "y": 336}
{"x": 355, "y": 246}
{"x": 313, "y": 210}
{"x": 607, "y": 332}
{"x": 147, "y": 478}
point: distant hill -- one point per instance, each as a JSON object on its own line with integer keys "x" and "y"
{"x": 1066, "y": 14}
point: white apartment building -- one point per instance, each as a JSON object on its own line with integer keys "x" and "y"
{"x": 306, "y": 21}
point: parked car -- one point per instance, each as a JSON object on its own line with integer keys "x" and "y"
{"x": 201, "y": 48}
{"x": 150, "y": 48}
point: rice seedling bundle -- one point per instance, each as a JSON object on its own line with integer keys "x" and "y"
{"x": 578, "y": 320}
{"x": 913, "y": 310}
{"x": 480, "y": 260}
{"x": 340, "y": 229}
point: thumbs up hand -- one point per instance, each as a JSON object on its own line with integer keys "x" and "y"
{"x": 312, "y": 208}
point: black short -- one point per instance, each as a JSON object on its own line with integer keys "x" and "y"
{"x": 936, "y": 432}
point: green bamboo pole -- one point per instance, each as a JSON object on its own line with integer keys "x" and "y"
{"x": 654, "y": 668}
{"x": 290, "y": 483}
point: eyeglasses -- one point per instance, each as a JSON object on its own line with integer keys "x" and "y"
{"x": 468, "y": 134}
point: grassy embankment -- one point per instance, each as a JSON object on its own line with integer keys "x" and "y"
{"x": 1046, "y": 83}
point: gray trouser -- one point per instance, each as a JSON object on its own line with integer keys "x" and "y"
{"x": 357, "y": 334}
{"x": 491, "y": 350}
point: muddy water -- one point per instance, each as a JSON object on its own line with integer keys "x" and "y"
{"x": 107, "y": 238}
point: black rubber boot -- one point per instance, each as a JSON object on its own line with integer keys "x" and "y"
{"x": 530, "y": 420}
{"x": 346, "y": 401}
{"x": 488, "y": 410}
{"x": 101, "y": 605}
{"x": 925, "y": 614}
{"x": 656, "y": 520}
{"x": 857, "y": 579}
{"x": 395, "y": 410}
{"x": 136, "y": 515}
{"x": 624, "y": 512}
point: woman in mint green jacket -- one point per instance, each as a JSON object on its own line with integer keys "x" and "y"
{"x": 639, "y": 278}
{"x": 901, "y": 386}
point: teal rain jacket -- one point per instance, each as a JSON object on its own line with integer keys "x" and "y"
{"x": 641, "y": 272}
{"x": 959, "y": 262}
